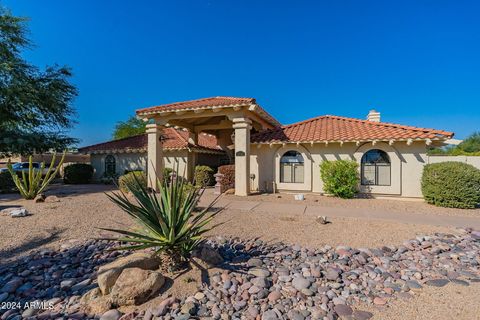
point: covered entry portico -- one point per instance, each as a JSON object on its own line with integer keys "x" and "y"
{"x": 230, "y": 119}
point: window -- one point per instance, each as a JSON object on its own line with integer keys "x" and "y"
{"x": 376, "y": 168}
{"x": 110, "y": 168}
{"x": 291, "y": 167}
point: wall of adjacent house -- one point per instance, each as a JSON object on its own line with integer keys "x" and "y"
{"x": 407, "y": 163}
{"x": 137, "y": 161}
{"x": 123, "y": 162}
{"x": 473, "y": 160}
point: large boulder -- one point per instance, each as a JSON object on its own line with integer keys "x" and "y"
{"x": 135, "y": 286}
{"x": 108, "y": 274}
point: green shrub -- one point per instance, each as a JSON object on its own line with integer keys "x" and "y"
{"x": 6, "y": 183}
{"x": 129, "y": 180}
{"x": 203, "y": 176}
{"x": 451, "y": 184}
{"x": 78, "y": 173}
{"x": 167, "y": 220}
{"x": 340, "y": 177}
{"x": 228, "y": 179}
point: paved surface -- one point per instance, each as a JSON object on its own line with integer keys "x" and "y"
{"x": 296, "y": 208}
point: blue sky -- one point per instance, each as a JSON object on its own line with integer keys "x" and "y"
{"x": 417, "y": 62}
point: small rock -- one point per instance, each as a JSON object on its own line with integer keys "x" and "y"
{"x": 379, "y": 301}
{"x": 259, "y": 272}
{"x": 437, "y": 282}
{"x": 269, "y": 315}
{"x": 343, "y": 310}
{"x": 52, "y": 199}
{"x": 189, "y": 308}
{"x": 18, "y": 213}
{"x": 362, "y": 315}
{"x": 113, "y": 314}
{"x": 300, "y": 283}
{"x": 274, "y": 296}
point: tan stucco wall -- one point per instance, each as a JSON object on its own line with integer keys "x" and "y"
{"x": 138, "y": 161}
{"x": 406, "y": 165}
{"x": 473, "y": 160}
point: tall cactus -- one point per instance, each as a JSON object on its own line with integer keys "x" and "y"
{"x": 35, "y": 183}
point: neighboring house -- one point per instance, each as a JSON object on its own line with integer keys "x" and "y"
{"x": 119, "y": 156}
{"x": 270, "y": 157}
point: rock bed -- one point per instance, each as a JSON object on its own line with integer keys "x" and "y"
{"x": 259, "y": 280}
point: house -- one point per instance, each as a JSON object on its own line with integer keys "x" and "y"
{"x": 119, "y": 156}
{"x": 269, "y": 156}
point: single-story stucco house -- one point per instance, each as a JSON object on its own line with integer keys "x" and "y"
{"x": 269, "y": 156}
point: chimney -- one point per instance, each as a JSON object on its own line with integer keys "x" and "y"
{"x": 374, "y": 116}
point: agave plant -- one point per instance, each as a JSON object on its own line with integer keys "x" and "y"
{"x": 167, "y": 220}
{"x": 35, "y": 182}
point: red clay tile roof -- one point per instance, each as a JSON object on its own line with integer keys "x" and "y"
{"x": 172, "y": 140}
{"x": 199, "y": 104}
{"x": 333, "y": 128}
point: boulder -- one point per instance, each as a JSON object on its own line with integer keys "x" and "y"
{"x": 135, "y": 286}
{"x": 108, "y": 274}
{"x": 208, "y": 255}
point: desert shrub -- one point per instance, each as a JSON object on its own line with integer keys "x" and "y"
{"x": 340, "y": 177}
{"x": 6, "y": 182}
{"x": 167, "y": 220}
{"x": 451, "y": 184}
{"x": 128, "y": 180}
{"x": 203, "y": 176}
{"x": 228, "y": 180}
{"x": 78, "y": 173}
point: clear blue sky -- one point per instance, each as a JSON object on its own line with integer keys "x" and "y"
{"x": 417, "y": 62}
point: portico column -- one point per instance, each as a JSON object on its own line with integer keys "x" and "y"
{"x": 154, "y": 155}
{"x": 242, "y": 128}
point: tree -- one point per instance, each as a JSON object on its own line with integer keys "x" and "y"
{"x": 35, "y": 105}
{"x": 469, "y": 146}
{"x": 132, "y": 127}
{"x": 471, "y": 143}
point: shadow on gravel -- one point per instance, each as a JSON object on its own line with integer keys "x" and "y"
{"x": 34, "y": 243}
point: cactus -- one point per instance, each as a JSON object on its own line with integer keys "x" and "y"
{"x": 35, "y": 183}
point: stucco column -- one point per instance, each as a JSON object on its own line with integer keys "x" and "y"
{"x": 242, "y": 128}
{"x": 154, "y": 155}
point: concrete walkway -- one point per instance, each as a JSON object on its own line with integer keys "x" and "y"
{"x": 294, "y": 208}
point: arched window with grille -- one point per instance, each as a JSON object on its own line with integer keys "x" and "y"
{"x": 291, "y": 167}
{"x": 376, "y": 168}
{"x": 110, "y": 165}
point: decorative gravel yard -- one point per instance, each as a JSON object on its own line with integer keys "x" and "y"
{"x": 274, "y": 266}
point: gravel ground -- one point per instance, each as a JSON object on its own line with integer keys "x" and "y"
{"x": 305, "y": 231}
{"x": 77, "y": 215}
{"x": 416, "y": 206}
{"x": 450, "y": 302}
{"x": 82, "y": 209}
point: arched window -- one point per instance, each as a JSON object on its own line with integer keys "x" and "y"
{"x": 110, "y": 167}
{"x": 291, "y": 167}
{"x": 375, "y": 168}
